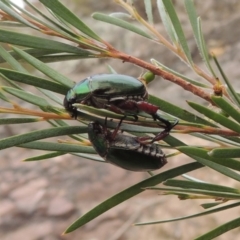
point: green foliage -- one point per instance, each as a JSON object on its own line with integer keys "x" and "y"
{"x": 83, "y": 42}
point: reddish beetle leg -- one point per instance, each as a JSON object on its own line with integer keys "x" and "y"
{"x": 141, "y": 106}
{"x": 152, "y": 110}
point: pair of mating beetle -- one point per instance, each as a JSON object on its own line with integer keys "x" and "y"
{"x": 124, "y": 95}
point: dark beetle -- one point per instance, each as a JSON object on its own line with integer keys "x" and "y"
{"x": 125, "y": 151}
{"x": 118, "y": 93}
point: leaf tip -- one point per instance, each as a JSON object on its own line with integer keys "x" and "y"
{"x": 210, "y": 153}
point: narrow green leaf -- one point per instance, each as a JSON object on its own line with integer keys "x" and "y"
{"x": 6, "y": 121}
{"x": 230, "y": 88}
{"x": 121, "y": 15}
{"x": 202, "y": 153}
{"x": 3, "y": 97}
{"x": 52, "y": 96}
{"x": 211, "y": 162}
{"x": 233, "y": 140}
{"x": 63, "y": 28}
{"x": 61, "y": 123}
{"x": 225, "y": 152}
{"x": 193, "y": 216}
{"x": 197, "y": 31}
{"x": 130, "y": 192}
{"x": 28, "y": 97}
{"x": 148, "y": 9}
{"x": 34, "y": 81}
{"x": 192, "y": 15}
{"x": 177, "y": 111}
{"x": 92, "y": 157}
{"x": 9, "y": 24}
{"x": 44, "y": 156}
{"x": 10, "y": 83}
{"x": 62, "y": 57}
{"x": 111, "y": 69}
{"x": 140, "y": 126}
{"x": 56, "y": 76}
{"x": 178, "y": 29}
{"x": 15, "y": 15}
{"x": 60, "y": 10}
{"x": 53, "y": 25}
{"x": 61, "y": 147}
{"x": 100, "y": 112}
{"x": 135, "y": 127}
{"x": 216, "y": 138}
{"x": 210, "y": 205}
{"x": 203, "y": 48}
{"x": 220, "y": 230}
{"x": 193, "y": 179}
{"x": 12, "y": 61}
{"x": 40, "y": 43}
{"x": 166, "y": 21}
{"x": 35, "y": 52}
{"x": 172, "y": 141}
{"x": 120, "y": 23}
{"x": 199, "y": 185}
{"x": 199, "y": 84}
{"x": 179, "y": 192}
{"x": 40, "y": 134}
{"x": 219, "y": 118}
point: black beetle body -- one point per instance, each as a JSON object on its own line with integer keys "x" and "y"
{"x": 125, "y": 151}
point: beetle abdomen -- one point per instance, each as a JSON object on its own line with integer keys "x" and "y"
{"x": 134, "y": 161}
{"x": 126, "y": 152}
{"x": 153, "y": 150}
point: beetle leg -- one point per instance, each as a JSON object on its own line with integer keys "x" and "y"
{"x": 118, "y": 110}
{"x": 147, "y": 107}
{"x": 123, "y": 106}
{"x": 160, "y": 136}
{"x": 114, "y": 133}
{"x": 168, "y": 124}
{"x": 152, "y": 110}
{"x": 144, "y": 140}
{"x": 105, "y": 127}
{"x": 68, "y": 106}
{"x": 74, "y": 113}
{"x": 114, "y": 108}
{"x": 165, "y": 132}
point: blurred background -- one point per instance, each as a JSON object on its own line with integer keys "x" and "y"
{"x": 39, "y": 200}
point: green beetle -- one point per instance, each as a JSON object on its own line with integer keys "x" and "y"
{"x": 109, "y": 91}
{"x": 125, "y": 151}
{"x": 118, "y": 93}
